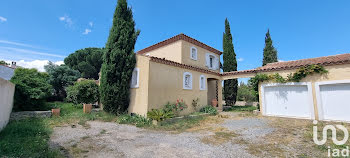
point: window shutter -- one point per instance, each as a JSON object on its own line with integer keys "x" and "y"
{"x": 207, "y": 59}
{"x": 216, "y": 63}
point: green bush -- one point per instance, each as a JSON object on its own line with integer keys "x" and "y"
{"x": 137, "y": 120}
{"x": 209, "y": 109}
{"x": 85, "y": 91}
{"x": 160, "y": 114}
{"x": 32, "y": 88}
{"x": 175, "y": 107}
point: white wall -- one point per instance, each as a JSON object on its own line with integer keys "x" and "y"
{"x": 7, "y": 90}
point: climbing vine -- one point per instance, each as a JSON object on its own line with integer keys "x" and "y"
{"x": 292, "y": 77}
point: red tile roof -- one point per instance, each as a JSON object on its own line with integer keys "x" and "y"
{"x": 176, "y": 38}
{"x": 325, "y": 61}
{"x": 289, "y": 65}
{"x": 185, "y": 66}
{"x": 277, "y": 66}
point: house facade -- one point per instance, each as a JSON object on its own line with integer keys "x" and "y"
{"x": 179, "y": 68}
{"x": 182, "y": 68}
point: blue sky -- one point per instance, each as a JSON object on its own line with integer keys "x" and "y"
{"x": 50, "y": 30}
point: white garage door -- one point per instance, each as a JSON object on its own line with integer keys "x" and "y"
{"x": 288, "y": 101}
{"x": 334, "y": 102}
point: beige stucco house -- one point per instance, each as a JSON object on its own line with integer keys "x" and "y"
{"x": 184, "y": 68}
{"x": 177, "y": 68}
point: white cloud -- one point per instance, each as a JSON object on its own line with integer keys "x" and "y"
{"x": 2, "y": 19}
{"x": 19, "y": 50}
{"x": 87, "y": 31}
{"x": 240, "y": 59}
{"x": 19, "y": 44}
{"x": 37, "y": 64}
{"x": 91, "y": 23}
{"x": 66, "y": 19}
{"x": 280, "y": 60}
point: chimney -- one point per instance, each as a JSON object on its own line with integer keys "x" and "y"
{"x": 13, "y": 65}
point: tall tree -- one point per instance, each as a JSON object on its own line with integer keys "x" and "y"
{"x": 230, "y": 64}
{"x": 118, "y": 60}
{"x": 60, "y": 77}
{"x": 270, "y": 53}
{"x": 87, "y": 61}
{"x": 32, "y": 88}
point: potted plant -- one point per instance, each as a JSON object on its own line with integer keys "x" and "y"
{"x": 55, "y": 110}
{"x": 214, "y": 102}
{"x": 87, "y": 108}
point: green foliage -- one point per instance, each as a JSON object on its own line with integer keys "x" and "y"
{"x": 195, "y": 103}
{"x": 60, "y": 77}
{"x": 85, "y": 91}
{"x": 305, "y": 71}
{"x": 26, "y": 138}
{"x": 32, "y": 88}
{"x": 179, "y": 125}
{"x": 209, "y": 110}
{"x": 160, "y": 114}
{"x": 119, "y": 61}
{"x": 137, "y": 120}
{"x": 87, "y": 61}
{"x": 245, "y": 93}
{"x": 270, "y": 53}
{"x": 72, "y": 113}
{"x": 242, "y": 108}
{"x": 3, "y": 63}
{"x": 176, "y": 107}
{"x": 230, "y": 64}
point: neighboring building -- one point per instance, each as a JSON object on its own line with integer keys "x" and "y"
{"x": 6, "y": 72}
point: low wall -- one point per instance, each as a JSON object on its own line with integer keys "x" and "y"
{"x": 7, "y": 90}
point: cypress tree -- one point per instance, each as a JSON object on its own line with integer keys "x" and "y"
{"x": 270, "y": 53}
{"x": 118, "y": 60}
{"x": 230, "y": 64}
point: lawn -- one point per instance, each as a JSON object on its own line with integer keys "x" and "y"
{"x": 29, "y": 138}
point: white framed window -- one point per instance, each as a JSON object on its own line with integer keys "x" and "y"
{"x": 202, "y": 82}
{"x": 212, "y": 62}
{"x": 193, "y": 53}
{"x": 135, "y": 78}
{"x": 148, "y": 54}
{"x": 187, "y": 80}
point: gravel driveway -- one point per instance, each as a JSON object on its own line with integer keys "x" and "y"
{"x": 225, "y": 135}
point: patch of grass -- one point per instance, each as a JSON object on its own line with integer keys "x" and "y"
{"x": 137, "y": 120}
{"x": 26, "y": 138}
{"x": 178, "y": 125}
{"x": 103, "y": 131}
{"x": 71, "y": 113}
{"x": 242, "y": 108}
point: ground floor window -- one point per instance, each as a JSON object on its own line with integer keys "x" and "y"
{"x": 187, "y": 80}
{"x": 135, "y": 78}
{"x": 202, "y": 82}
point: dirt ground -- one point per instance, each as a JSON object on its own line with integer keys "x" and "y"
{"x": 228, "y": 134}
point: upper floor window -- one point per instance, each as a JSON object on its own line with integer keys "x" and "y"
{"x": 194, "y": 53}
{"x": 202, "y": 82}
{"x": 212, "y": 61}
{"x": 135, "y": 78}
{"x": 187, "y": 80}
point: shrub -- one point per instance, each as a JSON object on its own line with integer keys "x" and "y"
{"x": 137, "y": 120}
{"x": 85, "y": 91}
{"x": 160, "y": 114}
{"x": 209, "y": 109}
{"x": 32, "y": 88}
{"x": 176, "y": 107}
{"x": 195, "y": 103}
